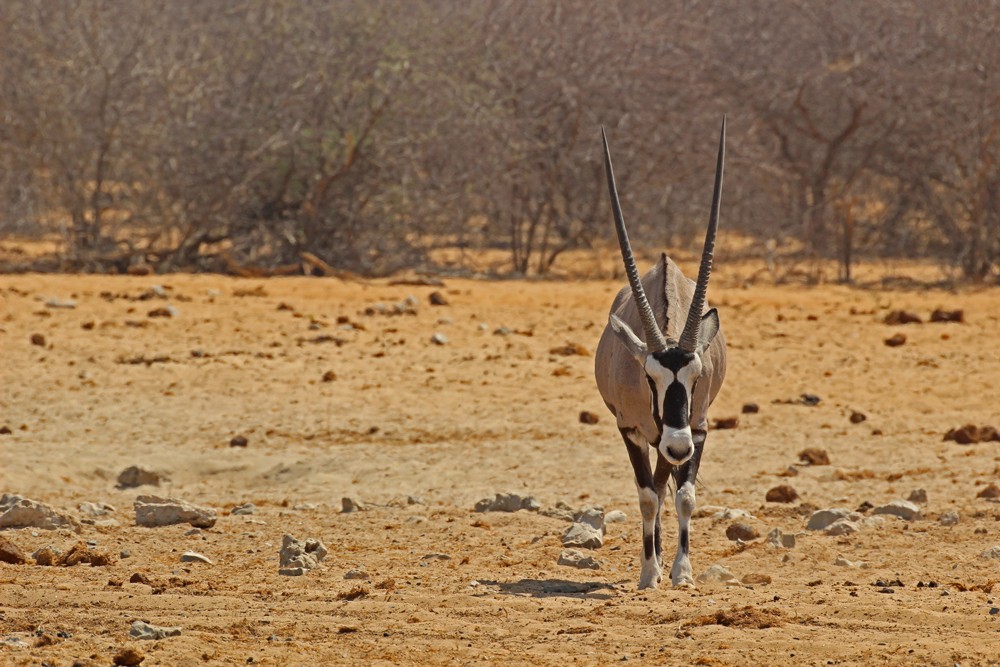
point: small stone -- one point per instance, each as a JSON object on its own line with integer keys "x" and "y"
{"x": 901, "y": 317}
{"x": 439, "y": 338}
{"x": 291, "y": 571}
{"x": 782, "y": 493}
{"x": 574, "y": 558}
{"x": 726, "y": 423}
{"x": 964, "y": 435}
{"x": 821, "y": 519}
{"x": 38, "y": 339}
{"x": 437, "y": 299}
{"x": 949, "y": 518}
{"x": 811, "y": 400}
{"x": 348, "y": 505}
{"x": 238, "y": 441}
{"x": 46, "y": 556}
{"x": 508, "y": 502}
{"x": 153, "y": 511}
{"x": 356, "y": 574}
{"x": 587, "y": 530}
{"x": 756, "y": 578}
{"x": 11, "y": 553}
{"x": 918, "y": 496}
{"x": 588, "y": 417}
{"x": 939, "y": 315}
{"x": 896, "y": 340}
{"x": 843, "y": 562}
{"x": 20, "y": 512}
{"x": 730, "y": 514}
{"x": 857, "y": 417}
{"x": 195, "y": 557}
{"x": 814, "y": 456}
{"x": 329, "y": 376}
{"x": 741, "y": 531}
{"x": 750, "y": 408}
{"x": 129, "y": 657}
{"x": 615, "y": 516}
{"x": 842, "y": 527}
{"x": 143, "y": 630}
{"x": 305, "y": 554}
{"x": 134, "y": 476}
{"x": 991, "y": 491}
{"x": 778, "y": 539}
{"x": 716, "y": 573}
{"x": 244, "y": 509}
{"x": 67, "y": 304}
{"x": 992, "y": 553}
{"x": 904, "y": 509}
{"x": 95, "y": 509}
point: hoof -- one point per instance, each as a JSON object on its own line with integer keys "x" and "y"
{"x": 685, "y": 583}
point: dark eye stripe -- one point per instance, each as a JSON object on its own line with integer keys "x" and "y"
{"x": 656, "y": 405}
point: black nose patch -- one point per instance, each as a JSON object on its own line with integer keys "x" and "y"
{"x": 675, "y": 406}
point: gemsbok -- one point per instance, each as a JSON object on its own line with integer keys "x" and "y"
{"x": 659, "y": 387}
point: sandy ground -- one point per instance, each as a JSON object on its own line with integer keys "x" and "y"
{"x": 451, "y": 424}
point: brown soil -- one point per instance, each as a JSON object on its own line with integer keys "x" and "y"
{"x": 379, "y": 413}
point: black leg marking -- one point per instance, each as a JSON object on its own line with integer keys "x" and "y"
{"x": 660, "y": 478}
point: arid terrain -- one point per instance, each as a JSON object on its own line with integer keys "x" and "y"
{"x": 335, "y": 403}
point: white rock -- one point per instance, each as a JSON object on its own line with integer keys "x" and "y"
{"x": 587, "y": 530}
{"x": 152, "y": 511}
{"x": 95, "y": 510}
{"x": 820, "y": 519}
{"x": 439, "y": 338}
{"x": 244, "y": 509}
{"x": 508, "y": 502}
{"x": 574, "y": 558}
{"x": 843, "y": 562}
{"x": 356, "y": 574}
{"x": 300, "y": 554}
{"x": 949, "y": 518}
{"x": 20, "y": 512}
{"x": 615, "y": 516}
{"x": 195, "y": 557}
{"x": 992, "y": 552}
{"x": 842, "y": 527}
{"x": 904, "y": 509}
{"x": 143, "y": 630}
{"x": 778, "y": 539}
{"x": 717, "y": 573}
{"x": 731, "y": 513}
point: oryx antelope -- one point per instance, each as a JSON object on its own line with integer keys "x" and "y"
{"x": 659, "y": 386}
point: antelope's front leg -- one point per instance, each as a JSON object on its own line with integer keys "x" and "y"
{"x": 649, "y": 506}
{"x": 684, "y": 501}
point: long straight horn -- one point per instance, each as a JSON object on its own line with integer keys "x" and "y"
{"x": 654, "y": 337}
{"x": 689, "y": 338}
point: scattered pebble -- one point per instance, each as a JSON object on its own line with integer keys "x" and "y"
{"x": 574, "y": 558}
{"x": 329, "y": 376}
{"x": 778, "y": 539}
{"x": 437, "y": 299}
{"x": 895, "y": 340}
{"x": 38, "y": 339}
{"x": 163, "y": 311}
{"x": 939, "y": 315}
{"x": 904, "y": 509}
{"x": 750, "y": 408}
{"x": 716, "y": 573}
{"x": 439, "y": 338}
{"x": 782, "y": 493}
{"x": 842, "y": 527}
{"x": 153, "y": 511}
{"x": 436, "y": 556}
{"x": 588, "y": 417}
{"x": 726, "y": 423}
{"x": 615, "y": 516}
{"x": 821, "y": 519}
{"x": 195, "y": 557}
{"x": 814, "y": 456}
{"x": 95, "y": 510}
{"x": 238, "y": 441}
{"x": 297, "y": 556}
{"x": 508, "y": 502}
{"x": 992, "y": 552}
{"x": 244, "y": 509}
{"x": 843, "y": 562}
{"x": 918, "y": 496}
{"x": 901, "y": 317}
{"x": 741, "y": 531}
{"x": 348, "y": 505}
{"x": 970, "y": 434}
{"x": 756, "y": 578}
{"x": 356, "y": 574}
{"x": 949, "y": 518}
{"x": 134, "y": 476}
{"x": 143, "y": 630}
{"x": 857, "y": 417}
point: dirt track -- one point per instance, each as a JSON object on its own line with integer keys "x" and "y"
{"x": 455, "y": 423}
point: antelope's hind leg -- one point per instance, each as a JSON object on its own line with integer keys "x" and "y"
{"x": 649, "y": 506}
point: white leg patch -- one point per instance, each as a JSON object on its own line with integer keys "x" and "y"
{"x": 680, "y": 573}
{"x": 649, "y": 504}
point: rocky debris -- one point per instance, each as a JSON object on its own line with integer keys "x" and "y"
{"x": 134, "y": 476}
{"x": 20, "y": 512}
{"x": 918, "y": 496}
{"x": 992, "y": 552}
{"x": 901, "y": 317}
{"x": 756, "y": 578}
{"x": 726, "y": 423}
{"x": 948, "y": 316}
{"x": 717, "y": 573}
{"x": 129, "y": 657}
{"x": 615, "y": 516}
{"x": 298, "y": 556}
{"x": 782, "y": 493}
{"x": 857, "y": 417}
{"x": 821, "y": 519}
{"x": 239, "y": 441}
{"x": 904, "y": 509}
{"x": 750, "y": 408}
{"x": 895, "y": 340}
{"x": 508, "y": 502}
{"x": 587, "y": 530}
{"x": 153, "y": 511}
{"x": 143, "y": 630}
{"x": 949, "y": 518}
{"x": 38, "y": 339}
{"x": 356, "y": 574}
{"x": 11, "y": 553}
{"x": 348, "y": 505}
{"x": 814, "y": 456}
{"x": 195, "y": 557}
{"x": 587, "y": 417}
{"x": 437, "y": 299}
{"x": 842, "y": 527}
{"x": 743, "y": 532}
{"x": 574, "y": 558}
{"x": 970, "y": 434}
{"x": 439, "y": 338}
{"x": 244, "y": 509}
{"x": 780, "y": 540}
{"x": 991, "y": 492}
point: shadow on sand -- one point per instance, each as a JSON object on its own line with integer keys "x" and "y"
{"x": 547, "y": 588}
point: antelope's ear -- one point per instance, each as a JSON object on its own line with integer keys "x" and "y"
{"x": 709, "y": 327}
{"x": 628, "y": 338}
